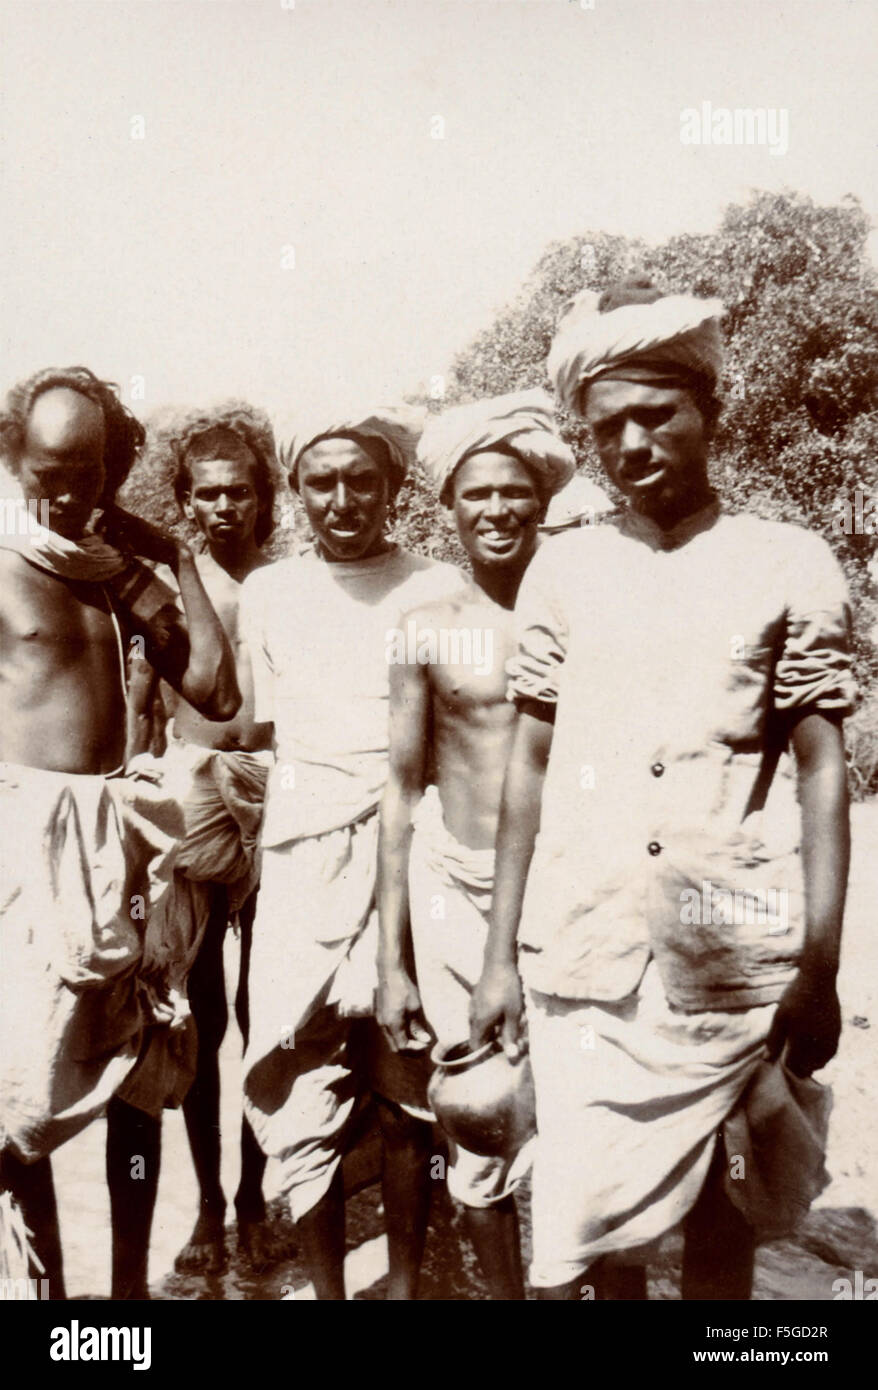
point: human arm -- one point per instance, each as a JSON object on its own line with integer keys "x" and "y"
{"x": 398, "y": 1002}
{"x": 497, "y": 999}
{"x": 143, "y": 698}
{"x": 814, "y": 690}
{"x": 194, "y": 656}
{"x": 808, "y": 1017}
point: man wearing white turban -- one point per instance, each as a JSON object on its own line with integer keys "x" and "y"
{"x": 392, "y": 430}
{"x": 315, "y": 626}
{"x": 521, "y": 423}
{"x": 677, "y": 951}
{"x": 495, "y": 464}
{"x": 637, "y": 334}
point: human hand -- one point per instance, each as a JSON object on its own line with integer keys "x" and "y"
{"x": 807, "y": 1022}
{"x": 398, "y": 1011}
{"x": 497, "y": 1002}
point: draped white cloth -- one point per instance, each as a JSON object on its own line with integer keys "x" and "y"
{"x": 522, "y": 421}
{"x": 676, "y": 330}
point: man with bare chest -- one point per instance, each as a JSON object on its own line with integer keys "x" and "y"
{"x": 84, "y": 849}
{"x": 224, "y": 482}
{"x": 496, "y": 464}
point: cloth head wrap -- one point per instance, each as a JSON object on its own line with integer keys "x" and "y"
{"x": 578, "y": 501}
{"x": 521, "y": 423}
{"x": 396, "y": 427}
{"x": 673, "y": 339}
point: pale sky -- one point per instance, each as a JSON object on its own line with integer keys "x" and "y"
{"x": 268, "y": 125}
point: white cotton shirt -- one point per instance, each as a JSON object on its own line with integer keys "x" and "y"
{"x": 319, "y": 635}
{"x": 669, "y": 658}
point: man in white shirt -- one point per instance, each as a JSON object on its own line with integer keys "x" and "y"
{"x": 672, "y": 942}
{"x": 316, "y": 628}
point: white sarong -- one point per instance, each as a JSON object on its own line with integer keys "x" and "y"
{"x": 84, "y": 864}
{"x": 221, "y": 794}
{"x": 313, "y": 976}
{"x": 450, "y": 887}
{"x": 630, "y": 1097}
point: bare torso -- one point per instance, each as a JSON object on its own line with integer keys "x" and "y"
{"x": 224, "y": 593}
{"x": 471, "y": 718}
{"x": 62, "y": 699}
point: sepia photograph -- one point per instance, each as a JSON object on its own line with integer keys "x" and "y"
{"x": 439, "y": 664}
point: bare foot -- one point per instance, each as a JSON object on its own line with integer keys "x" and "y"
{"x": 205, "y": 1250}
{"x": 264, "y": 1242}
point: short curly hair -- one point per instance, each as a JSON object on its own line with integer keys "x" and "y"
{"x": 252, "y": 427}
{"x": 123, "y": 433}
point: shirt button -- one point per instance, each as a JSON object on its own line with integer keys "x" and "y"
{"x": 654, "y": 847}
{"x": 657, "y": 769}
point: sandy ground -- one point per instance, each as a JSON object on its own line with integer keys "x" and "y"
{"x": 839, "y": 1237}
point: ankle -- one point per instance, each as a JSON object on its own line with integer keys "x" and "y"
{"x": 213, "y": 1209}
{"x": 250, "y": 1208}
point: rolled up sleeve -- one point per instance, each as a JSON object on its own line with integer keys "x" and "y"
{"x": 541, "y": 628}
{"x": 814, "y": 668}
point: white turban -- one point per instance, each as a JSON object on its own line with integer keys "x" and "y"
{"x": 578, "y": 501}
{"x": 677, "y": 333}
{"x": 397, "y": 427}
{"x": 522, "y": 422}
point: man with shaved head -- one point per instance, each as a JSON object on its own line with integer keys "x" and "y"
{"x": 316, "y": 630}
{"x": 85, "y": 850}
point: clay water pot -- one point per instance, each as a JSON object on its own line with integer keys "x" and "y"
{"x": 483, "y": 1101}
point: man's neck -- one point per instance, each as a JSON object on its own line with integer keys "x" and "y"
{"x": 500, "y": 585}
{"x": 692, "y": 502}
{"x": 382, "y": 547}
{"x": 237, "y": 561}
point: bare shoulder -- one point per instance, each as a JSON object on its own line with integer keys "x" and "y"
{"x": 8, "y": 580}
{"x": 13, "y": 563}
{"x": 444, "y": 611}
{"x": 8, "y": 561}
{"x": 214, "y": 578}
{"x": 17, "y": 576}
